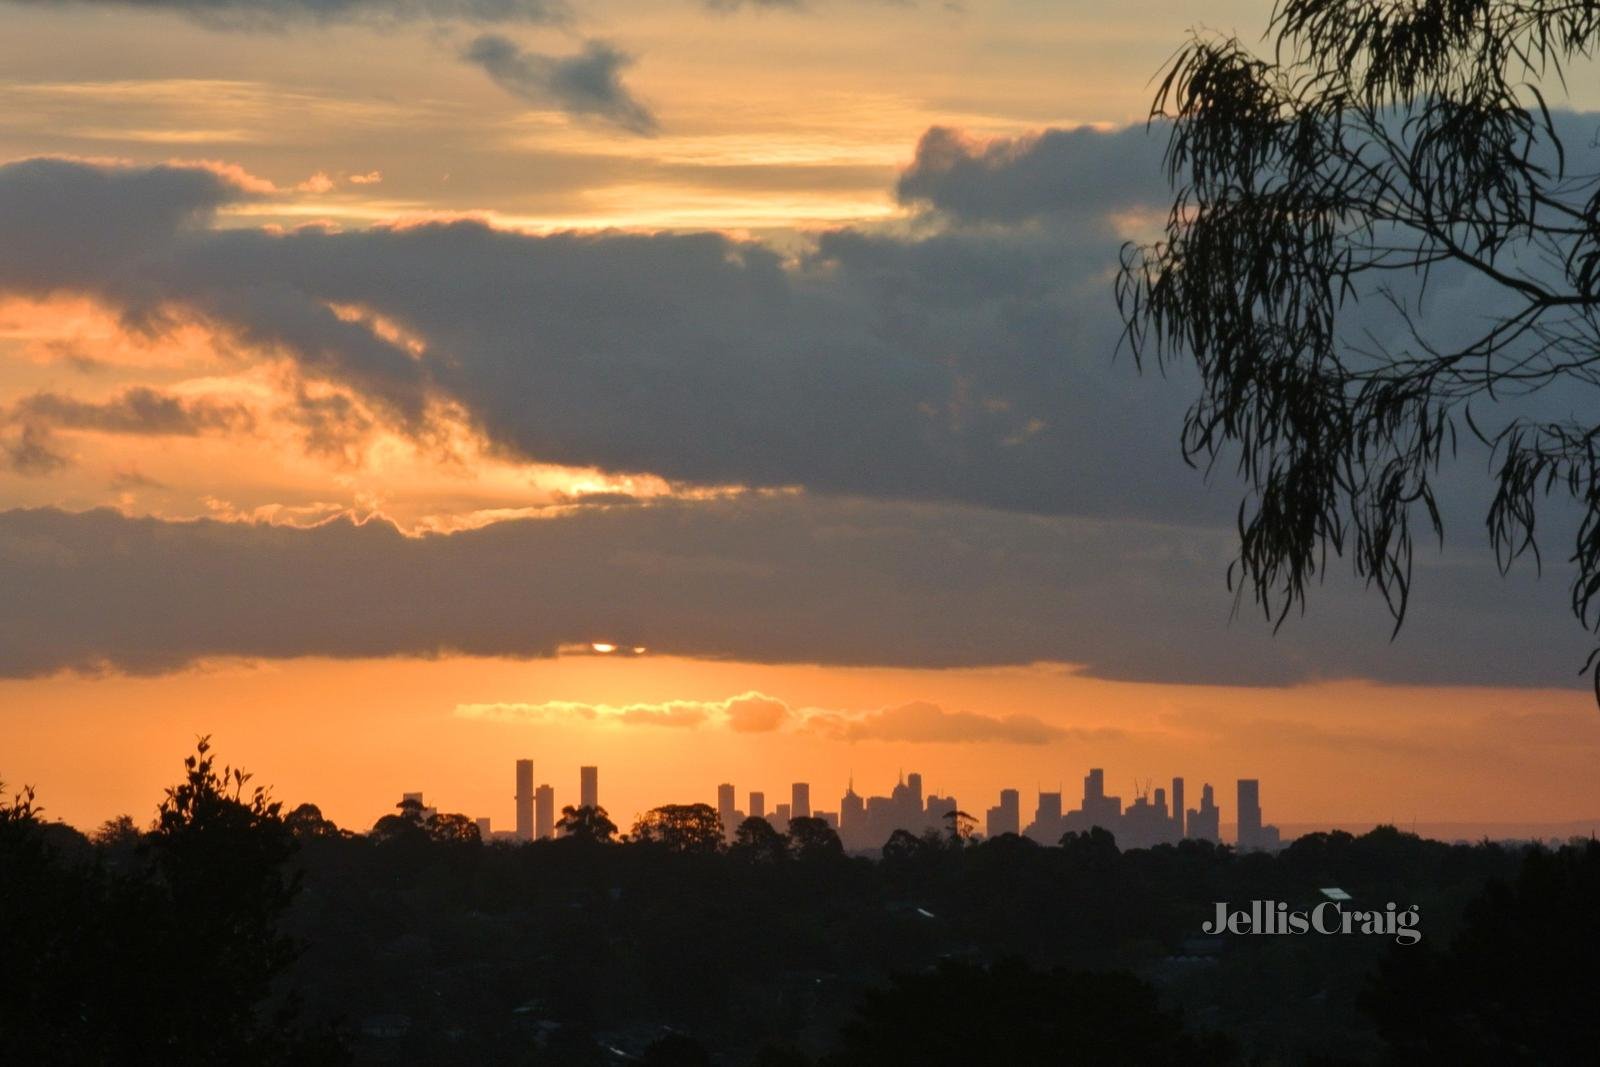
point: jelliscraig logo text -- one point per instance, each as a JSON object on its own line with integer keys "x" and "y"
{"x": 1328, "y": 917}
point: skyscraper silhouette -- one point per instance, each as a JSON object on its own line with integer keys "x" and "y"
{"x": 852, "y": 813}
{"x": 1006, "y": 817}
{"x": 1177, "y": 808}
{"x": 800, "y": 801}
{"x": 524, "y": 799}
{"x": 589, "y": 787}
{"x": 1253, "y": 836}
{"x": 1203, "y": 823}
{"x": 1249, "y": 809}
{"x": 545, "y": 810}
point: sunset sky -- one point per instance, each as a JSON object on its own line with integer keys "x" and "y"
{"x": 364, "y": 364}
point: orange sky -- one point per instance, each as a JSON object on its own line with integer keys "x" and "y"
{"x": 352, "y": 736}
{"x": 771, "y": 126}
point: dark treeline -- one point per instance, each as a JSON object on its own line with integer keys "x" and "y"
{"x": 233, "y": 931}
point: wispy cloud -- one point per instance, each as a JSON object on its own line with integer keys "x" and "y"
{"x": 921, "y": 722}
{"x": 586, "y": 85}
{"x": 754, "y": 712}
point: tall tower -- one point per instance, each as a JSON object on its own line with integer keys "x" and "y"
{"x": 1249, "y": 814}
{"x": 852, "y": 813}
{"x": 725, "y": 807}
{"x": 758, "y": 804}
{"x": 524, "y": 799}
{"x": 800, "y": 801}
{"x": 1177, "y": 807}
{"x": 545, "y": 806}
{"x": 589, "y": 787}
{"x": 1201, "y": 823}
{"x": 914, "y": 784}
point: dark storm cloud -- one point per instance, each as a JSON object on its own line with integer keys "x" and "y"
{"x": 587, "y": 85}
{"x": 273, "y": 14}
{"x": 1057, "y": 172}
{"x": 965, "y": 366}
{"x": 900, "y": 379}
{"x": 776, "y": 579}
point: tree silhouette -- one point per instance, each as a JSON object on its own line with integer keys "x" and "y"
{"x": 1094, "y": 849}
{"x": 454, "y": 828}
{"x": 959, "y": 826}
{"x": 409, "y": 823}
{"x": 20, "y": 818}
{"x": 903, "y": 848}
{"x": 1386, "y": 153}
{"x": 812, "y": 839}
{"x": 681, "y": 828}
{"x": 220, "y": 850}
{"x": 306, "y": 822}
{"x": 1516, "y": 985}
{"x": 590, "y": 824}
{"x": 757, "y": 840}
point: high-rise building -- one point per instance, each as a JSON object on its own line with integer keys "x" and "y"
{"x": 484, "y": 831}
{"x": 1047, "y": 825}
{"x": 725, "y": 808}
{"x": 852, "y": 813}
{"x": 781, "y": 817}
{"x": 800, "y": 801}
{"x": 1204, "y": 822}
{"x": 1177, "y": 807}
{"x": 544, "y": 800}
{"x": 1006, "y": 817}
{"x": 524, "y": 800}
{"x": 914, "y": 791}
{"x": 1253, "y": 836}
{"x": 1098, "y": 809}
{"x": 589, "y": 787}
{"x": 758, "y": 804}
{"x": 1249, "y": 809}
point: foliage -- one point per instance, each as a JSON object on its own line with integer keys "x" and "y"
{"x": 168, "y": 948}
{"x": 1515, "y": 985}
{"x": 681, "y": 828}
{"x": 588, "y": 824}
{"x": 1094, "y": 849}
{"x": 758, "y": 841}
{"x": 813, "y": 840}
{"x": 306, "y": 822}
{"x": 1388, "y": 152}
{"x": 960, "y": 826}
